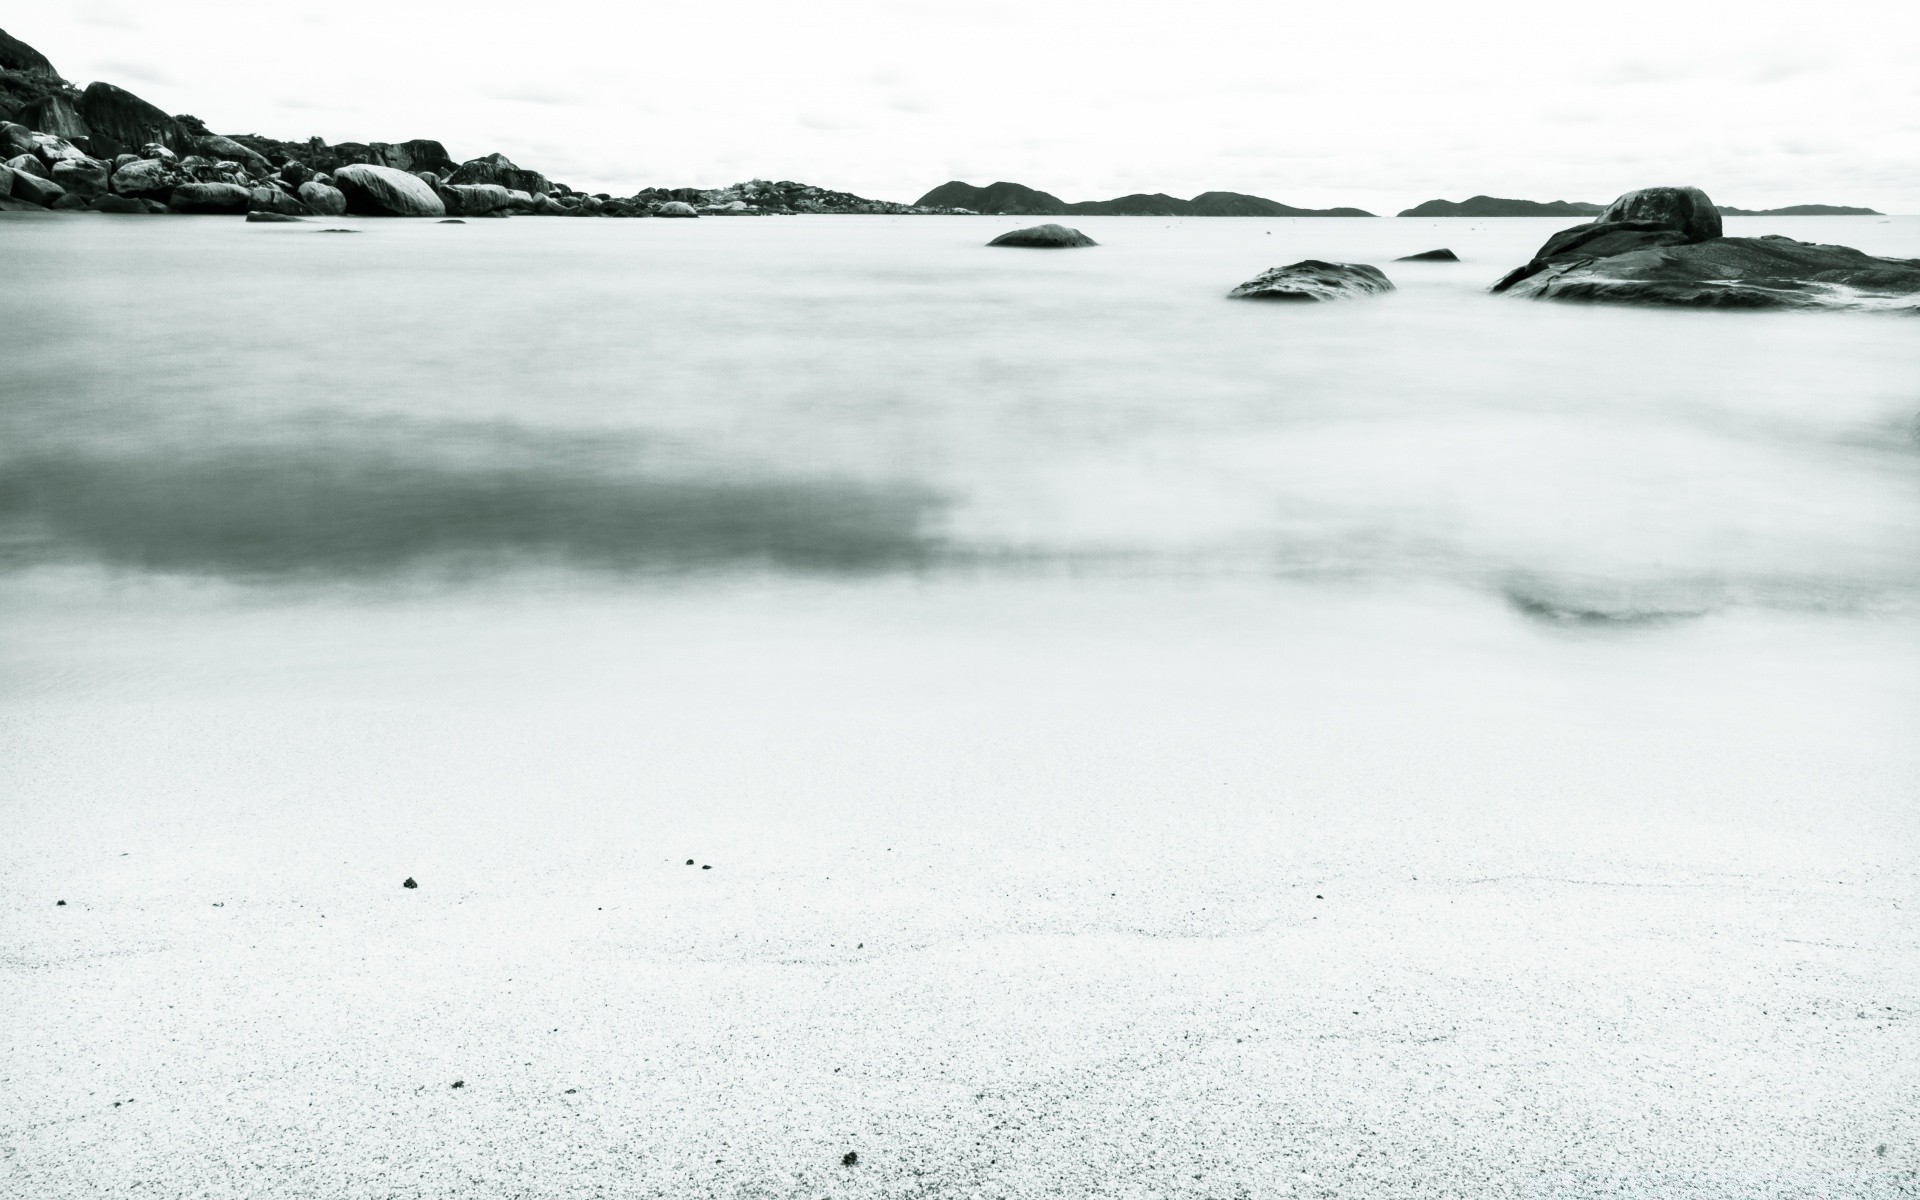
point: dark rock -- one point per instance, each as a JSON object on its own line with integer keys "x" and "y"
{"x": 28, "y": 164}
{"x": 453, "y": 221}
{"x": 1663, "y": 246}
{"x": 409, "y": 881}
{"x": 1431, "y": 256}
{"x": 706, "y": 866}
{"x": 498, "y": 168}
{"x": 1000, "y": 198}
{"x": 689, "y": 862}
{"x": 1313, "y": 280}
{"x": 117, "y": 204}
{"x": 1206, "y": 204}
{"x": 56, "y": 903}
{"x": 56, "y": 114}
{"x": 849, "y": 1159}
{"x": 273, "y": 200}
{"x": 148, "y": 177}
{"x": 323, "y": 198}
{"x": 1682, "y": 209}
{"x": 1044, "y": 237}
{"x": 35, "y": 190}
{"x": 294, "y": 173}
{"x": 339, "y": 231}
{"x": 15, "y": 139}
{"x": 420, "y": 154}
{"x": 1494, "y": 206}
{"x": 226, "y": 149}
{"x": 83, "y": 177}
{"x": 459, "y": 1083}
{"x": 376, "y": 191}
{"x": 259, "y": 215}
{"x": 210, "y": 198}
{"x": 16, "y": 55}
{"x": 120, "y": 121}
{"x": 675, "y": 208}
{"x": 69, "y": 203}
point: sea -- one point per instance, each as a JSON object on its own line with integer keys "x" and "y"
{"x": 842, "y": 687}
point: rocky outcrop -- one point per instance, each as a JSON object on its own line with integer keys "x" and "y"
{"x": 1044, "y": 237}
{"x": 16, "y": 55}
{"x": 1017, "y": 199}
{"x": 373, "y": 191}
{"x": 120, "y": 122}
{"x": 323, "y": 198}
{"x": 56, "y": 114}
{"x": 1664, "y": 246}
{"x": 1801, "y": 210}
{"x": 1494, "y": 206}
{"x": 1312, "y": 280}
{"x": 209, "y": 198}
{"x": 1442, "y": 255}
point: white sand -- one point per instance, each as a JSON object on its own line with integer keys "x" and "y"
{"x": 1017, "y": 890}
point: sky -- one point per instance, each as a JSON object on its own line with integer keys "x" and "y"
{"x": 1380, "y": 106}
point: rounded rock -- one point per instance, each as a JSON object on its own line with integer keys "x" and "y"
{"x": 1044, "y": 237}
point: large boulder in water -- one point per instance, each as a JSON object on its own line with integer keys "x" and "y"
{"x": 322, "y": 198}
{"x": 210, "y": 198}
{"x": 1312, "y": 280}
{"x": 1665, "y": 248}
{"x": 475, "y": 199}
{"x": 1044, "y": 237}
{"x": 373, "y": 191}
{"x": 269, "y": 199}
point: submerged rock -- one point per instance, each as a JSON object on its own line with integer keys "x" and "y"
{"x": 1045, "y": 237}
{"x": 386, "y": 192}
{"x": 116, "y": 204}
{"x": 273, "y": 200}
{"x": 1663, "y": 246}
{"x": 1442, "y": 255}
{"x": 1313, "y": 280}
{"x": 262, "y": 215}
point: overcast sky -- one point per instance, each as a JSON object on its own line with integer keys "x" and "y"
{"x": 1380, "y": 105}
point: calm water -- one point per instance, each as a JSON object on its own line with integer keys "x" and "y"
{"x": 1026, "y": 594}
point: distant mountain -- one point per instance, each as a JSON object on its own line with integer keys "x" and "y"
{"x": 1799, "y": 210}
{"x": 1014, "y": 199}
{"x": 1494, "y": 206}
{"x": 997, "y": 198}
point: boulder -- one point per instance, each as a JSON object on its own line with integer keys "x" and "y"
{"x": 1044, "y": 237}
{"x": 68, "y": 202}
{"x": 1313, "y": 280}
{"x": 55, "y": 114}
{"x": 52, "y": 148}
{"x": 84, "y": 177}
{"x": 1683, "y": 209}
{"x": 147, "y": 177}
{"x": 273, "y": 200}
{"x": 118, "y": 121}
{"x": 157, "y": 150}
{"x": 34, "y": 189}
{"x": 15, "y": 139}
{"x": 322, "y": 198}
{"x": 16, "y": 55}
{"x": 116, "y": 204}
{"x": 259, "y": 215}
{"x": 1442, "y": 255}
{"x": 28, "y": 164}
{"x": 225, "y": 149}
{"x": 293, "y": 173}
{"x": 1663, "y": 246}
{"x": 209, "y": 198}
{"x": 420, "y": 154}
{"x": 375, "y": 191}
{"x": 498, "y": 168}
{"x": 475, "y": 199}
{"x": 675, "y": 208}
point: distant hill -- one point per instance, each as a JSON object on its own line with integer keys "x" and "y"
{"x": 1494, "y": 206}
{"x": 1015, "y": 199}
{"x": 1799, "y": 210}
{"x": 997, "y": 198}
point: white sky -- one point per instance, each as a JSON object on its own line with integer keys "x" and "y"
{"x": 1380, "y": 105}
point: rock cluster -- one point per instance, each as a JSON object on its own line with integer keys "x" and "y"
{"x": 1665, "y": 246}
